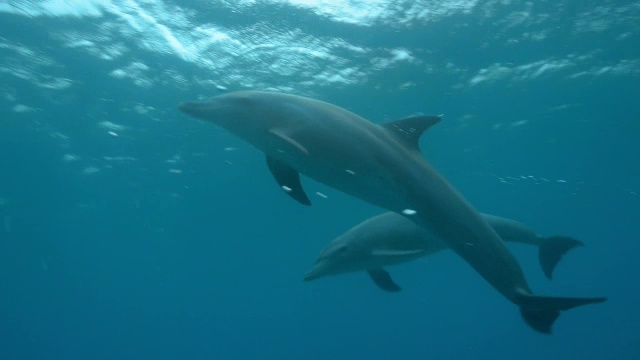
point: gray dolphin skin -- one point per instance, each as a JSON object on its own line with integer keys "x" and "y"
{"x": 382, "y": 165}
{"x": 390, "y": 239}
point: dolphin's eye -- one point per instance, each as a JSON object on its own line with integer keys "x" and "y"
{"x": 342, "y": 249}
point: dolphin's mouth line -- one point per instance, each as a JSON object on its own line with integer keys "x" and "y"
{"x": 308, "y": 276}
{"x": 311, "y": 275}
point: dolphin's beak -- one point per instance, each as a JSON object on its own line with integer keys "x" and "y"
{"x": 192, "y": 108}
{"x": 314, "y": 273}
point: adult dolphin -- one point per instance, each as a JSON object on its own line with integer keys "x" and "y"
{"x": 390, "y": 239}
{"x": 382, "y": 165}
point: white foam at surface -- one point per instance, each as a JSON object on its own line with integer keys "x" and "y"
{"x": 109, "y": 125}
{"x": 19, "y": 108}
{"x": 119, "y": 158}
{"x": 70, "y": 157}
{"x": 89, "y": 170}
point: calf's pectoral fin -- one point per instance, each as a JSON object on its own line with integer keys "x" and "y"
{"x": 384, "y": 281}
{"x": 288, "y": 179}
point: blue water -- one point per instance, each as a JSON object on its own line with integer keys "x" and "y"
{"x": 131, "y": 231}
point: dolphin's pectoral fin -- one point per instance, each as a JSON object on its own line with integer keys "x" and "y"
{"x": 288, "y": 179}
{"x": 384, "y": 281}
{"x": 409, "y": 129}
{"x": 282, "y": 135}
{"x": 551, "y": 251}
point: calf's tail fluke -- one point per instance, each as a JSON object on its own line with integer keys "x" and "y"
{"x": 540, "y": 312}
{"x": 552, "y": 249}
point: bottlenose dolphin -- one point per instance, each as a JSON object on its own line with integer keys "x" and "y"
{"x": 380, "y": 164}
{"x": 390, "y": 239}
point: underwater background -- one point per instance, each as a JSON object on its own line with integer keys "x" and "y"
{"x": 131, "y": 231}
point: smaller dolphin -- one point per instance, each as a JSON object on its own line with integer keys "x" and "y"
{"x": 391, "y": 239}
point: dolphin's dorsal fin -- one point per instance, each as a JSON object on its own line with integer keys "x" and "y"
{"x": 409, "y": 130}
{"x": 288, "y": 179}
{"x": 384, "y": 281}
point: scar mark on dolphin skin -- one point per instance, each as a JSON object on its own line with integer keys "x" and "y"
{"x": 280, "y": 134}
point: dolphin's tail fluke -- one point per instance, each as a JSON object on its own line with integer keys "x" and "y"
{"x": 552, "y": 249}
{"x": 540, "y": 312}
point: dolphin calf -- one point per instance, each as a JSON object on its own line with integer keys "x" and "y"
{"x": 382, "y": 165}
{"x": 390, "y": 239}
